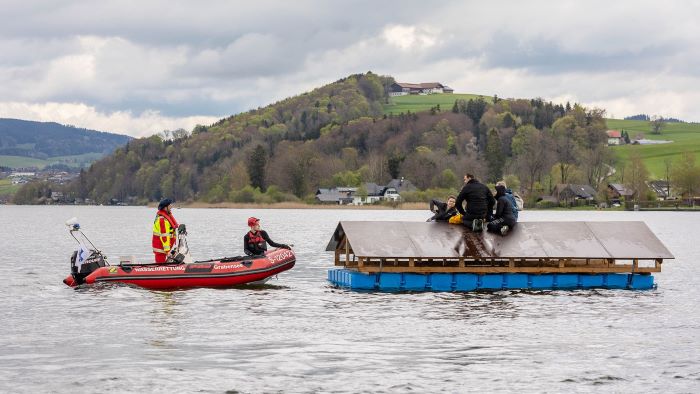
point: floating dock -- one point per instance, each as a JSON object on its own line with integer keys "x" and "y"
{"x": 434, "y": 256}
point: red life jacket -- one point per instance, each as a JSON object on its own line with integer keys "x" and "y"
{"x": 163, "y": 239}
{"x": 255, "y": 238}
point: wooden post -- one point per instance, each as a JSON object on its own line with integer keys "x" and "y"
{"x": 411, "y": 262}
{"x": 347, "y": 251}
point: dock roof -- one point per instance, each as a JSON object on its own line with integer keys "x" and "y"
{"x": 529, "y": 240}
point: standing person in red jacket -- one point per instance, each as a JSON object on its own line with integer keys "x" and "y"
{"x": 164, "y": 227}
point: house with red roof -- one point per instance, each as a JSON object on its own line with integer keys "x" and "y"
{"x": 615, "y": 137}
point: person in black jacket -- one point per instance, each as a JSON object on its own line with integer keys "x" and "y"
{"x": 503, "y": 219}
{"x": 255, "y": 241}
{"x": 443, "y": 210}
{"x": 479, "y": 200}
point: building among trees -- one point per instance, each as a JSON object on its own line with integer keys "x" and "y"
{"x": 615, "y": 137}
{"x": 368, "y": 193}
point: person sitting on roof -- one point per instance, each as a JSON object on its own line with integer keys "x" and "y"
{"x": 504, "y": 219}
{"x": 255, "y": 241}
{"x": 479, "y": 200}
{"x": 511, "y": 198}
{"x": 443, "y": 211}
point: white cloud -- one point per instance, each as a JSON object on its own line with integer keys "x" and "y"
{"x": 121, "y": 122}
{"x": 170, "y": 61}
{"x": 411, "y": 37}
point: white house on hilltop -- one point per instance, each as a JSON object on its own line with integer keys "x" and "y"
{"x": 403, "y": 88}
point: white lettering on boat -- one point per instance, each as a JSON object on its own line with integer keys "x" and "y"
{"x": 227, "y": 266}
{"x": 281, "y": 256}
{"x": 159, "y": 269}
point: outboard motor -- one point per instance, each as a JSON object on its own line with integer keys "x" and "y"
{"x": 85, "y": 260}
{"x": 80, "y": 270}
{"x": 182, "y": 251}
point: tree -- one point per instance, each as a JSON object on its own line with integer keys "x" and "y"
{"x": 451, "y": 144}
{"x": 495, "y": 159}
{"x": 256, "y": 167}
{"x": 476, "y": 109}
{"x": 657, "y": 124}
{"x": 394, "y": 164}
{"x": 448, "y": 179}
{"x": 531, "y": 153}
{"x": 596, "y": 164}
{"x": 686, "y": 175}
{"x": 636, "y": 176}
{"x": 362, "y": 192}
{"x": 563, "y": 134}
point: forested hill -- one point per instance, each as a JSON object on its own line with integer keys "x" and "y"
{"x": 337, "y": 135}
{"x": 43, "y": 140}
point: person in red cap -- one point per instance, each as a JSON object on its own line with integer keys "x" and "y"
{"x": 255, "y": 241}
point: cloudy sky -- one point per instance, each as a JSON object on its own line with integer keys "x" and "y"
{"x": 139, "y": 67}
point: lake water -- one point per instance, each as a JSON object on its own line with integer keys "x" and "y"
{"x": 301, "y": 335}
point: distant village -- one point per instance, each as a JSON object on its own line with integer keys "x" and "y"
{"x": 562, "y": 195}
{"x": 21, "y": 176}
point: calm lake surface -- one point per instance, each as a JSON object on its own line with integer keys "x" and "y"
{"x": 301, "y": 335}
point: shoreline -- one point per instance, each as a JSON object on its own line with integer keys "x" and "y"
{"x": 300, "y": 205}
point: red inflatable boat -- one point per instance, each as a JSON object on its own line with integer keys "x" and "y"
{"x": 224, "y": 272}
{"x": 89, "y": 266}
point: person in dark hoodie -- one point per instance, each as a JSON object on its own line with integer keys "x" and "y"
{"x": 443, "y": 210}
{"x": 511, "y": 198}
{"x": 479, "y": 200}
{"x": 504, "y": 219}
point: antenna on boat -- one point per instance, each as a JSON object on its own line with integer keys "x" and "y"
{"x": 74, "y": 228}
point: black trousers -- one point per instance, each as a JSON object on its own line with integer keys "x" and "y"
{"x": 495, "y": 226}
{"x": 468, "y": 219}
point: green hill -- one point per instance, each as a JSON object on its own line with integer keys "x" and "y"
{"x": 418, "y": 103}
{"x": 685, "y": 137}
{"x": 26, "y": 143}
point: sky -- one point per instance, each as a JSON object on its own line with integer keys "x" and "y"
{"x": 141, "y": 67}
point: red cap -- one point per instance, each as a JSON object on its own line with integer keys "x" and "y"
{"x": 252, "y": 221}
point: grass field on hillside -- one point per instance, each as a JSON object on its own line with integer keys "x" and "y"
{"x": 21, "y": 161}
{"x": 71, "y": 161}
{"x": 417, "y": 103}
{"x": 7, "y": 188}
{"x": 685, "y": 137}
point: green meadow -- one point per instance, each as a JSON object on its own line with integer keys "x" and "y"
{"x": 685, "y": 137}
{"x": 7, "y": 188}
{"x": 83, "y": 160}
{"x": 418, "y": 103}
